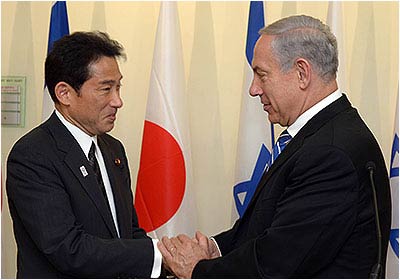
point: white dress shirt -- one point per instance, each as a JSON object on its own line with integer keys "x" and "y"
{"x": 301, "y": 121}
{"x": 85, "y": 142}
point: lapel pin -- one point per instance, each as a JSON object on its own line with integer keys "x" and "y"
{"x": 117, "y": 162}
{"x": 83, "y": 170}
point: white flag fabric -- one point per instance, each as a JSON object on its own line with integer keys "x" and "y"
{"x": 392, "y": 262}
{"x": 48, "y": 104}
{"x": 256, "y": 134}
{"x": 164, "y": 200}
{"x": 58, "y": 28}
{"x": 335, "y": 22}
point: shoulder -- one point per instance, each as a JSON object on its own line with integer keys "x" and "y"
{"x": 346, "y": 138}
{"x": 34, "y": 141}
{"x": 48, "y": 134}
{"x": 50, "y": 139}
{"x": 346, "y": 131}
{"x": 112, "y": 144}
{"x": 110, "y": 141}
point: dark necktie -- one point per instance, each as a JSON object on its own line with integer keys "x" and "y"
{"x": 280, "y": 144}
{"x": 95, "y": 165}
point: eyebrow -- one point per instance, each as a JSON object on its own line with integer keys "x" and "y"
{"x": 257, "y": 69}
{"x": 111, "y": 82}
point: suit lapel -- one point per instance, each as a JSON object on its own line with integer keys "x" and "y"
{"x": 294, "y": 145}
{"x": 114, "y": 175}
{"x": 77, "y": 162}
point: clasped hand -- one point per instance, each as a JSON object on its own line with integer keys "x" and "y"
{"x": 182, "y": 253}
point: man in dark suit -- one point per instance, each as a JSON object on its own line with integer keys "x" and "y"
{"x": 68, "y": 182}
{"x": 312, "y": 215}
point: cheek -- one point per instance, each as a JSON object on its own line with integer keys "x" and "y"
{"x": 275, "y": 94}
{"x": 97, "y": 107}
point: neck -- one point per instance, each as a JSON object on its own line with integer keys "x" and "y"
{"x": 316, "y": 92}
{"x": 64, "y": 112}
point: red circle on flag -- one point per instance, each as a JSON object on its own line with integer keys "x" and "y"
{"x": 161, "y": 178}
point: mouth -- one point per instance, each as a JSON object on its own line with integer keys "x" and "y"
{"x": 266, "y": 107}
{"x": 112, "y": 117}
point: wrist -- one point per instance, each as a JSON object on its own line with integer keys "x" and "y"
{"x": 215, "y": 251}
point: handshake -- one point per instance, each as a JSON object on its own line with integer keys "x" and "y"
{"x": 182, "y": 253}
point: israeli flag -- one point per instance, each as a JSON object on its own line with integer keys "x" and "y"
{"x": 256, "y": 133}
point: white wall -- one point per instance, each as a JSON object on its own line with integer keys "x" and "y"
{"x": 213, "y": 38}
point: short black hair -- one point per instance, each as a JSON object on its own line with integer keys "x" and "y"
{"x": 71, "y": 56}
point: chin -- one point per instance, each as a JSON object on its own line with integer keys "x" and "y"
{"x": 106, "y": 129}
{"x": 272, "y": 120}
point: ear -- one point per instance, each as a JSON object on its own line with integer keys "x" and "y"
{"x": 303, "y": 70}
{"x": 63, "y": 92}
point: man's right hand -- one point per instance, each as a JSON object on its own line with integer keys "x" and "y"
{"x": 208, "y": 245}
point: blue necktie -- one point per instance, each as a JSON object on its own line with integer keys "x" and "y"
{"x": 280, "y": 144}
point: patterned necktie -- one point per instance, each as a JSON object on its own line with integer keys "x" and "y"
{"x": 95, "y": 165}
{"x": 280, "y": 144}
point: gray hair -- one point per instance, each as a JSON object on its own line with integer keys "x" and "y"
{"x": 305, "y": 37}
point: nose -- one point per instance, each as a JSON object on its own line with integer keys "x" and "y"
{"x": 116, "y": 101}
{"x": 255, "y": 90}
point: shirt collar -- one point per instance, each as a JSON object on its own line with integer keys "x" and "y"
{"x": 301, "y": 121}
{"x": 84, "y": 140}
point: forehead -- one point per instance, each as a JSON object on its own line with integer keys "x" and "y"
{"x": 105, "y": 68}
{"x": 263, "y": 52}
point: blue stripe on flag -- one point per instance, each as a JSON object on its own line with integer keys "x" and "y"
{"x": 58, "y": 23}
{"x": 256, "y": 22}
{"x": 394, "y": 240}
{"x": 249, "y": 187}
{"x": 272, "y": 134}
{"x": 394, "y": 170}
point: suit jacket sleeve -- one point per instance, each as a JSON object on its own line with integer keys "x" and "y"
{"x": 42, "y": 203}
{"x": 313, "y": 217}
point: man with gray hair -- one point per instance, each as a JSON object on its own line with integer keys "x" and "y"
{"x": 313, "y": 213}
